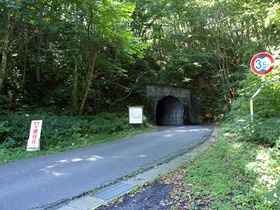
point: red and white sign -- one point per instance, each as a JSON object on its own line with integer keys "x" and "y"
{"x": 262, "y": 63}
{"x": 33, "y": 143}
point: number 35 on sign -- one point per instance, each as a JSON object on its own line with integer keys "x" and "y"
{"x": 262, "y": 63}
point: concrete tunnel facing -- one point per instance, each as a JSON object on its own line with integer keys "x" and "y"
{"x": 171, "y": 106}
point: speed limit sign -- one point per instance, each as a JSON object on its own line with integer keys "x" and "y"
{"x": 262, "y": 63}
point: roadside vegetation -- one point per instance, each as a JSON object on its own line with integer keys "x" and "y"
{"x": 231, "y": 174}
{"x": 78, "y": 64}
{"x": 63, "y": 133}
{"x": 241, "y": 169}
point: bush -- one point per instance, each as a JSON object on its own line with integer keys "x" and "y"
{"x": 263, "y": 131}
{"x": 268, "y": 130}
{"x": 107, "y": 123}
{"x": 14, "y": 128}
{"x": 265, "y": 127}
{"x": 4, "y": 104}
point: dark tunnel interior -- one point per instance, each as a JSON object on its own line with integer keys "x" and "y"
{"x": 169, "y": 111}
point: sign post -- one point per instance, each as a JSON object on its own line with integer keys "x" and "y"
{"x": 135, "y": 115}
{"x": 261, "y": 64}
{"x": 33, "y": 143}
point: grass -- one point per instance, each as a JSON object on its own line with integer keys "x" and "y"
{"x": 219, "y": 177}
{"x": 13, "y": 154}
{"x": 231, "y": 174}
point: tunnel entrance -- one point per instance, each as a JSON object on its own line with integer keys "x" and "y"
{"x": 167, "y": 101}
{"x": 169, "y": 111}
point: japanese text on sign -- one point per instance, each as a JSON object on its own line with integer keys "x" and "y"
{"x": 33, "y": 143}
{"x": 135, "y": 115}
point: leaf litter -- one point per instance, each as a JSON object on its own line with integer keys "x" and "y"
{"x": 166, "y": 192}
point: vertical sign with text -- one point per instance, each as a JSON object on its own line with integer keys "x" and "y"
{"x": 135, "y": 114}
{"x": 33, "y": 143}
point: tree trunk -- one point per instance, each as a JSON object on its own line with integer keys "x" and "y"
{"x": 93, "y": 73}
{"x": 75, "y": 87}
{"x": 39, "y": 58}
{"x": 3, "y": 65}
{"x": 75, "y": 105}
{"x": 91, "y": 64}
{"x": 25, "y": 60}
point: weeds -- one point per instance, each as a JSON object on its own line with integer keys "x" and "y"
{"x": 231, "y": 174}
{"x": 62, "y": 133}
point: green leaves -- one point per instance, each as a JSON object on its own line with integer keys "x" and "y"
{"x": 54, "y": 42}
{"x": 181, "y": 42}
{"x": 273, "y": 197}
{"x": 61, "y": 133}
{"x": 218, "y": 177}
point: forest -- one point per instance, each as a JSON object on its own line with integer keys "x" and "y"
{"x": 78, "y": 64}
{"x": 86, "y": 57}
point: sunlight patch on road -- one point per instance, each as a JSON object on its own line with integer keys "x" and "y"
{"x": 187, "y": 130}
{"x": 94, "y": 158}
{"x": 57, "y": 174}
{"x": 63, "y": 161}
{"x": 142, "y": 156}
{"x": 76, "y": 159}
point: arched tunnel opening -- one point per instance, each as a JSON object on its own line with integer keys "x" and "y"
{"x": 169, "y": 111}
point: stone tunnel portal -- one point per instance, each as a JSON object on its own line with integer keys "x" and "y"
{"x": 169, "y": 111}
{"x": 171, "y": 105}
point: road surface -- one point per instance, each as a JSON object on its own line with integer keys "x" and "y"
{"x": 45, "y": 181}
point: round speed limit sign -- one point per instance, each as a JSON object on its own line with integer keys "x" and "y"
{"x": 261, "y": 63}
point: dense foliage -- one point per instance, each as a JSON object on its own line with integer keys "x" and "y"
{"x": 256, "y": 137}
{"x": 62, "y": 133}
{"x": 64, "y": 53}
{"x": 232, "y": 174}
{"x": 263, "y": 126}
{"x": 15, "y": 128}
{"x": 72, "y": 62}
{"x": 88, "y": 56}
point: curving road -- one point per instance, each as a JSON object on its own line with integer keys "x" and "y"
{"x": 44, "y": 181}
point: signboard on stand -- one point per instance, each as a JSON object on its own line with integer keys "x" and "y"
{"x": 33, "y": 143}
{"x": 135, "y": 114}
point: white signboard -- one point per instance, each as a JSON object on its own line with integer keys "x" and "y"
{"x": 135, "y": 114}
{"x": 33, "y": 143}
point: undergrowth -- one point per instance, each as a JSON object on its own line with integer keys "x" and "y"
{"x": 221, "y": 178}
{"x": 241, "y": 170}
{"x": 62, "y": 133}
{"x": 231, "y": 174}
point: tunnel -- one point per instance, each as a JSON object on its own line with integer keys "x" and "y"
{"x": 169, "y": 111}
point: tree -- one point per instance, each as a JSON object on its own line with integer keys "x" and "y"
{"x": 107, "y": 29}
{"x": 71, "y": 53}
{"x": 5, "y": 11}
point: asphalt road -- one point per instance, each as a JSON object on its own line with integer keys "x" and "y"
{"x": 44, "y": 181}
